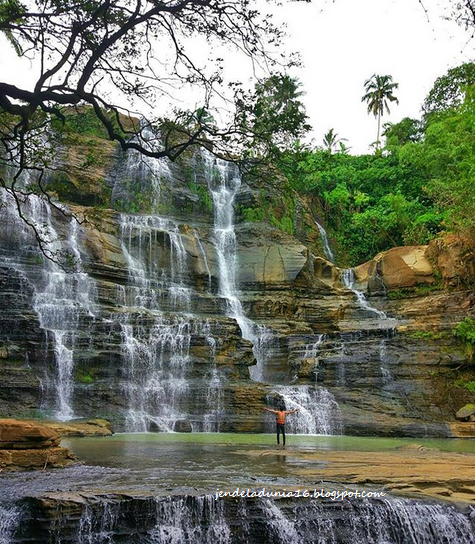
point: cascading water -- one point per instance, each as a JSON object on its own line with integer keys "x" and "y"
{"x": 318, "y": 411}
{"x": 348, "y": 278}
{"x": 205, "y": 259}
{"x": 311, "y": 350}
{"x": 10, "y": 519}
{"x": 383, "y": 359}
{"x": 156, "y": 326}
{"x": 224, "y": 181}
{"x": 386, "y": 324}
{"x": 176, "y": 521}
{"x": 198, "y": 519}
{"x": 138, "y": 182}
{"x": 326, "y": 244}
{"x": 63, "y": 300}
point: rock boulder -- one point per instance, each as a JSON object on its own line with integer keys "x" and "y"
{"x": 26, "y": 435}
{"x": 26, "y": 445}
{"x": 398, "y": 268}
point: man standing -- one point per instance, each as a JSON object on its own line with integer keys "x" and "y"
{"x": 280, "y": 421}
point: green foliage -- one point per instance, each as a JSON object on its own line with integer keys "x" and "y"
{"x": 84, "y": 376}
{"x": 449, "y": 90}
{"x": 426, "y": 289}
{"x": 139, "y": 199}
{"x": 370, "y": 203}
{"x": 274, "y": 114}
{"x": 411, "y": 292}
{"x": 465, "y": 332}
{"x": 83, "y": 121}
{"x": 252, "y": 215}
{"x": 449, "y": 155}
{"x": 422, "y": 184}
{"x": 406, "y": 131}
{"x": 469, "y": 385}
{"x": 82, "y": 127}
{"x": 204, "y": 200}
{"x": 331, "y": 140}
{"x": 285, "y": 223}
{"x": 12, "y": 11}
{"x": 399, "y": 294}
{"x": 278, "y": 209}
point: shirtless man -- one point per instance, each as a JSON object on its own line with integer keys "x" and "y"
{"x": 280, "y": 420}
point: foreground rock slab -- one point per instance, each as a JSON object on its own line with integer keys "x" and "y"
{"x": 411, "y": 470}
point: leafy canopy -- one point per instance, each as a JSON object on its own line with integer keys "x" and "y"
{"x": 123, "y": 58}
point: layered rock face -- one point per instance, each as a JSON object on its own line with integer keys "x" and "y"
{"x": 186, "y": 319}
{"x": 25, "y": 445}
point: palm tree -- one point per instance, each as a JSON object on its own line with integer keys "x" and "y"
{"x": 379, "y": 92}
{"x": 331, "y": 140}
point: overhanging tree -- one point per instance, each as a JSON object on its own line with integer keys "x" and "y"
{"x": 121, "y": 57}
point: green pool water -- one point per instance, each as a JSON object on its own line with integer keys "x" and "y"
{"x": 317, "y": 442}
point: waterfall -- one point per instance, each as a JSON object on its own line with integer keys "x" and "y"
{"x": 156, "y": 328}
{"x": 205, "y": 259}
{"x": 383, "y": 359}
{"x": 281, "y": 528}
{"x": 63, "y": 300}
{"x": 318, "y": 411}
{"x": 195, "y": 521}
{"x": 326, "y": 244}
{"x": 348, "y": 278}
{"x": 138, "y": 182}
{"x": 224, "y": 181}
{"x": 198, "y": 519}
{"x": 10, "y": 519}
{"x": 311, "y": 350}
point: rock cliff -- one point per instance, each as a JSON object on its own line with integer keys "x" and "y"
{"x": 143, "y": 330}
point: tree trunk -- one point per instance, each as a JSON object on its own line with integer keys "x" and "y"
{"x": 379, "y": 130}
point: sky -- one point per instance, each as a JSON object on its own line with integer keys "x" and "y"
{"x": 342, "y": 43}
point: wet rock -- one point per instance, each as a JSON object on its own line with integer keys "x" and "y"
{"x": 182, "y": 426}
{"x": 462, "y": 430}
{"x": 138, "y": 517}
{"x": 36, "y": 459}
{"x": 386, "y": 383}
{"x": 398, "y": 268}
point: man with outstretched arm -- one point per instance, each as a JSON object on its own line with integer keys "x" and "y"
{"x": 280, "y": 421}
